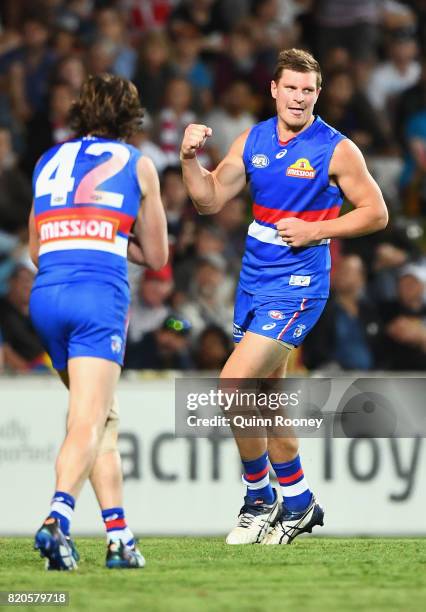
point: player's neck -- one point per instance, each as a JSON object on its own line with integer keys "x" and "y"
{"x": 286, "y": 132}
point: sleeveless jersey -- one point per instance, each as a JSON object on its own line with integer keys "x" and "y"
{"x": 86, "y": 198}
{"x": 288, "y": 180}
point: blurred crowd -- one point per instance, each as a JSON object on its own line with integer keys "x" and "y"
{"x": 211, "y": 61}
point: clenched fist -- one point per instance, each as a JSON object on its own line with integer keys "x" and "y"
{"x": 194, "y": 138}
{"x": 296, "y": 232}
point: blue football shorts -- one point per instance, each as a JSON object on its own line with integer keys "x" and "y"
{"x": 81, "y": 319}
{"x": 287, "y": 320}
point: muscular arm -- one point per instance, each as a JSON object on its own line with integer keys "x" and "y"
{"x": 210, "y": 191}
{"x": 151, "y": 225}
{"x": 370, "y": 214}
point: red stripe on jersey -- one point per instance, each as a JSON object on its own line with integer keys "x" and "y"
{"x": 292, "y": 478}
{"x": 123, "y": 221}
{"x": 258, "y": 475}
{"x": 273, "y": 215}
{"x": 116, "y": 524}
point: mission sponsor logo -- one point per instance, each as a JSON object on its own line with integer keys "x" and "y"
{"x": 301, "y": 169}
{"x": 63, "y": 229}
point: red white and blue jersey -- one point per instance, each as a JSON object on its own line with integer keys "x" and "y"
{"x": 288, "y": 180}
{"x": 86, "y": 198}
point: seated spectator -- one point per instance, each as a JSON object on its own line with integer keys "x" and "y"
{"x": 349, "y": 111}
{"x": 229, "y": 120}
{"x": 149, "y": 306}
{"x": 413, "y": 179}
{"x": 397, "y": 73}
{"x": 353, "y": 26}
{"x": 142, "y": 140}
{"x": 23, "y": 350}
{"x": 213, "y": 349}
{"x": 404, "y": 345}
{"x": 176, "y": 115}
{"x": 347, "y": 333}
{"x": 15, "y": 189}
{"x": 71, "y": 70}
{"x": 175, "y": 199}
{"x": 50, "y": 126}
{"x": 30, "y": 67}
{"x": 239, "y": 61}
{"x": 209, "y": 299}
{"x": 188, "y": 64}
{"x": 412, "y": 101}
{"x": 207, "y": 240}
{"x": 153, "y": 71}
{"x": 111, "y": 26}
{"x": 166, "y": 348}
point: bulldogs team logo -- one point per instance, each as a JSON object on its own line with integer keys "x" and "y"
{"x": 301, "y": 169}
{"x": 260, "y": 160}
{"x": 116, "y": 344}
{"x": 276, "y": 314}
{"x": 299, "y": 331}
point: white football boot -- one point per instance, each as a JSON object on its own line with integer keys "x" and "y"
{"x": 291, "y": 524}
{"x": 254, "y": 521}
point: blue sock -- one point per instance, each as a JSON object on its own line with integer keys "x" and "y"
{"x": 256, "y": 477}
{"x": 294, "y": 486}
{"x": 116, "y": 526}
{"x": 62, "y": 508}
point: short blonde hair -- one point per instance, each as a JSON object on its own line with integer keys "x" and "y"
{"x": 298, "y": 61}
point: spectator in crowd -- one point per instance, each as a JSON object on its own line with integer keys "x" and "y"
{"x": 188, "y": 64}
{"x": 23, "y": 351}
{"x": 353, "y": 26}
{"x": 209, "y": 299}
{"x": 213, "y": 349}
{"x": 204, "y": 15}
{"x": 208, "y": 240}
{"x": 30, "y": 67}
{"x": 166, "y": 348}
{"x": 404, "y": 345}
{"x": 175, "y": 200}
{"x": 49, "y": 126}
{"x": 149, "y": 306}
{"x": 143, "y": 141}
{"x": 240, "y": 62}
{"x": 100, "y": 56}
{"x": 111, "y": 26}
{"x": 397, "y": 73}
{"x": 15, "y": 189}
{"x": 413, "y": 179}
{"x": 350, "y": 112}
{"x": 71, "y": 70}
{"x": 348, "y": 333}
{"x": 154, "y": 70}
{"x": 231, "y": 119}
{"x": 176, "y": 114}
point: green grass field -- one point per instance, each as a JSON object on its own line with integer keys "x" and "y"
{"x": 192, "y": 574}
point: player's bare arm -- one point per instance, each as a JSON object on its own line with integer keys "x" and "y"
{"x": 210, "y": 191}
{"x": 34, "y": 244}
{"x": 348, "y": 169}
{"x": 151, "y": 221}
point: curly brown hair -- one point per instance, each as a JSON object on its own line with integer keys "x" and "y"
{"x": 108, "y": 106}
